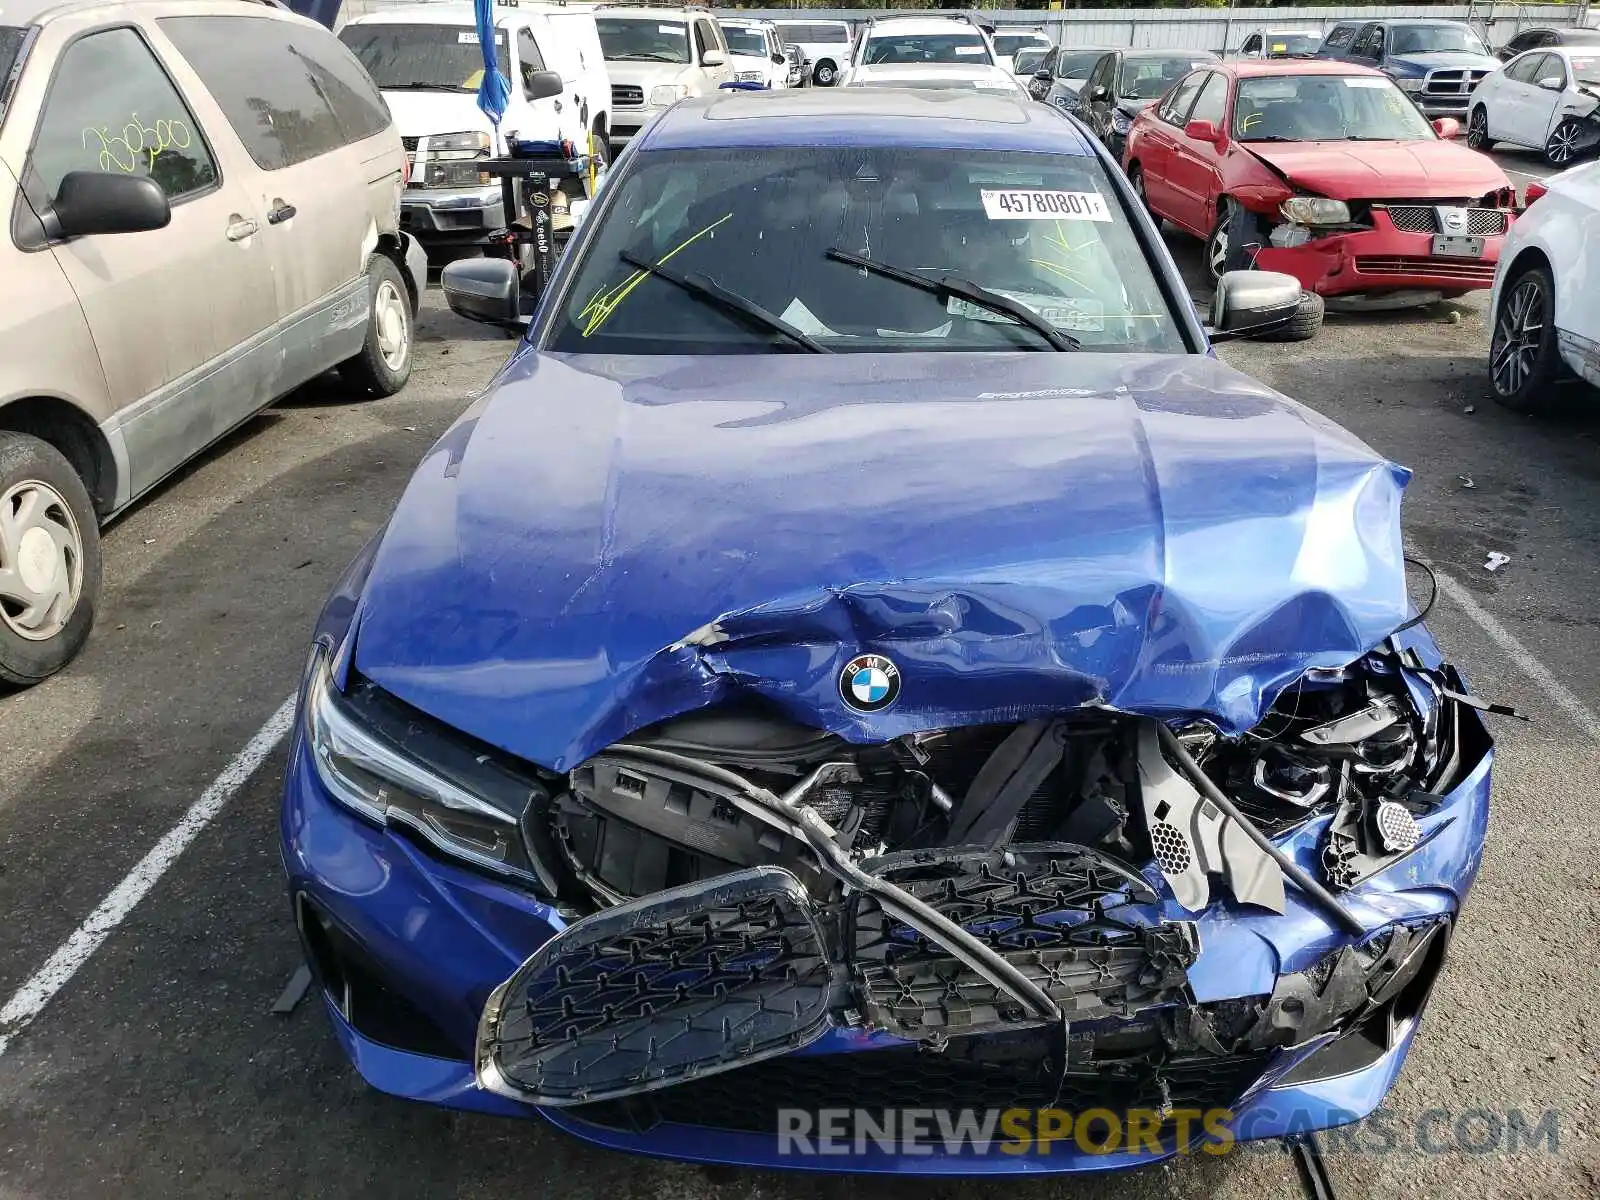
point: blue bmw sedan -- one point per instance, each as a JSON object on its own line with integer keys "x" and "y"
{"x": 866, "y": 689}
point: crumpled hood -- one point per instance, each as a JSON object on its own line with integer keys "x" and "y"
{"x": 1380, "y": 170}
{"x": 603, "y": 542}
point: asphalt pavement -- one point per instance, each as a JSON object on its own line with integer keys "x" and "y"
{"x": 158, "y": 1070}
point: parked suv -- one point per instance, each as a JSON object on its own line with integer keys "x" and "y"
{"x": 202, "y": 199}
{"x": 428, "y": 61}
{"x": 658, "y": 56}
{"x": 756, "y": 52}
{"x": 1436, "y": 63}
{"x": 896, "y": 51}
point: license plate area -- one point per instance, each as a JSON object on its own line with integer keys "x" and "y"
{"x": 1445, "y": 246}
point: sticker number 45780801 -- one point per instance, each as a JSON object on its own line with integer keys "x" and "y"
{"x": 1037, "y": 204}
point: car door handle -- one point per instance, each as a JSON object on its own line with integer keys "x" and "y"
{"x": 240, "y": 228}
{"x": 280, "y": 213}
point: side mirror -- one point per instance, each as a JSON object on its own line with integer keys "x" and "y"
{"x": 1552, "y": 83}
{"x": 713, "y": 58}
{"x": 1252, "y": 302}
{"x": 1447, "y": 127}
{"x": 484, "y": 289}
{"x": 779, "y": 60}
{"x": 1043, "y": 76}
{"x": 543, "y": 84}
{"x": 1203, "y": 131}
{"x": 91, "y": 202}
{"x": 1101, "y": 92}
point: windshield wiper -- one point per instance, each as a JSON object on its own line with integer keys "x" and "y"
{"x": 423, "y": 86}
{"x": 962, "y": 289}
{"x": 641, "y": 58}
{"x": 1266, "y": 137}
{"x": 705, "y": 288}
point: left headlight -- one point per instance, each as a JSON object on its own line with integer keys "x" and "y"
{"x": 476, "y": 819}
{"x": 667, "y": 94}
{"x": 1315, "y": 210}
{"x": 452, "y": 160}
{"x": 1414, "y": 84}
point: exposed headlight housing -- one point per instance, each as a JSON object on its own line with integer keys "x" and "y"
{"x": 1315, "y": 210}
{"x": 667, "y": 94}
{"x": 452, "y": 160}
{"x": 457, "y": 800}
{"x": 1121, "y": 121}
{"x": 1066, "y": 103}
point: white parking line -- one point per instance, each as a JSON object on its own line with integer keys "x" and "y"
{"x": 1524, "y": 174}
{"x": 32, "y": 996}
{"x": 1577, "y": 711}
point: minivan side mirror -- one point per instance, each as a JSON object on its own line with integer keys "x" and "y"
{"x": 1252, "y": 302}
{"x": 91, "y": 202}
{"x": 713, "y": 58}
{"x": 543, "y": 84}
{"x": 484, "y": 289}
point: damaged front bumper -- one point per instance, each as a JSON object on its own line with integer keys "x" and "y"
{"x": 1381, "y": 259}
{"x": 449, "y": 987}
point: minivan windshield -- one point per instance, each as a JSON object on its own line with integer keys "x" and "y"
{"x": 443, "y": 58}
{"x": 1006, "y": 44}
{"x": 626, "y": 40}
{"x": 766, "y": 227}
{"x": 794, "y": 31}
{"x": 751, "y": 43}
{"x": 10, "y": 45}
{"x": 1425, "y": 39}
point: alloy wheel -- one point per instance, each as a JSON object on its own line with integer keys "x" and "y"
{"x": 41, "y": 561}
{"x": 1563, "y": 143}
{"x": 1217, "y": 253}
{"x": 1478, "y": 129}
{"x": 1518, "y": 337}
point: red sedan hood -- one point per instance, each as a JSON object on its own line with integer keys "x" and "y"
{"x": 1383, "y": 170}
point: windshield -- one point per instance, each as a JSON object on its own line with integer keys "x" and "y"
{"x": 445, "y": 58}
{"x": 1077, "y": 64}
{"x": 1321, "y": 108}
{"x": 10, "y": 44}
{"x": 1424, "y": 39}
{"x": 1044, "y": 230}
{"x": 890, "y": 50}
{"x": 1009, "y": 43}
{"x": 792, "y": 32}
{"x": 625, "y": 40}
{"x": 1147, "y": 78}
{"x": 1027, "y": 61}
{"x": 1283, "y": 45}
{"x": 1585, "y": 68}
{"x": 746, "y": 41}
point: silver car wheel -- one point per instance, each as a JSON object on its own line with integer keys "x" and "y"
{"x": 1518, "y": 335}
{"x": 1563, "y": 143}
{"x": 41, "y": 561}
{"x": 390, "y": 316}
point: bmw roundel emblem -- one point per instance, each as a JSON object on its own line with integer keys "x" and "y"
{"x": 869, "y": 683}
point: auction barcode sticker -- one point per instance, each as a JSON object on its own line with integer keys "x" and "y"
{"x": 1036, "y": 204}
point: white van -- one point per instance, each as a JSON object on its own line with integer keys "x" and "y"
{"x": 826, "y": 43}
{"x": 427, "y": 61}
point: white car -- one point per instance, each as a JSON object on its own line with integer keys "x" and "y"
{"x": 1008, "y": 40}
{"x": 656, "y": 57}
{"x": 756, "y": 52}
{"x": 897, "y": 50}
{"x": 1546, "y": 99}
{"x": 427, "y": 61}
{"x": 1545, "y": 317}
{"x": 826, "y": 44}
{"x": 935, "y": 77}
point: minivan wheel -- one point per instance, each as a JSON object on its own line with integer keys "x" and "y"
{"x": 49, "y": 560}
{"x": 384, "y": 364}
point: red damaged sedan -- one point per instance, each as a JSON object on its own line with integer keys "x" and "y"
{"x": 1325, "y": 171}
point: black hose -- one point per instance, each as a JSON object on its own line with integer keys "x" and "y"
{"x": 1325, "y": 899}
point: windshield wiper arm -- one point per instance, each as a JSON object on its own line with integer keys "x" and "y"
{"x": 422, "y": 86}
{"x": 962, "y": 289}
{"x": 705, "y": 288}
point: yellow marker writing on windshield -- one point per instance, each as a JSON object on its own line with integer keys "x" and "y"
{"x": 598, "y": 310}
{"x": 1251, "y": 119}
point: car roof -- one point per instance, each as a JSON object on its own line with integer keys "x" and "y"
{"x": 649, "y": 14}
{"x": 934, "y": 120}
{"x": 1147, "y": 52}
{"x": 914, "y": 25}
{"x": 33, "y": 12}
{"x": 1419, "y": 21}
{"x": 1298, "y": 66}
{"x": 442, "y": 14}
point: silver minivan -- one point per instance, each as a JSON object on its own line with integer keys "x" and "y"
{"x": 200, "y": 201}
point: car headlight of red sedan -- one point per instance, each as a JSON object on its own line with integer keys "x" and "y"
{"x": 1315, "y": 210}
